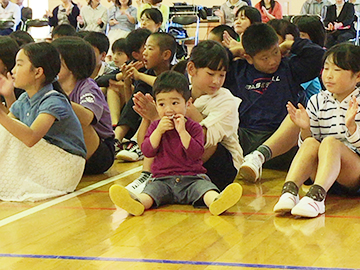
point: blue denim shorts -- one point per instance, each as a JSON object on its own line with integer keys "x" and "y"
{"x": 179, "y": 189}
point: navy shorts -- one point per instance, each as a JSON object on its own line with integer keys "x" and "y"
{"x": 179, "y": 189}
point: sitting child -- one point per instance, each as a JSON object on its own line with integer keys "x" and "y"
{"x": 329, "y": 137}
{"x": 177, "y": 145}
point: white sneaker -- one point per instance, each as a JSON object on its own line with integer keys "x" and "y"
{"x": 251, "y": 169}
{"x": 131, "y": 153}
{"x": 308, "y": 207}
{"x": 138, "y": 185}
{"x": 286, "y": 202}
{"x": 226, "y": 199}
{"x": 125, "y": 200}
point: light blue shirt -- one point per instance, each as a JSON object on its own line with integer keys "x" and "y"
{"x": 66, "y": 131}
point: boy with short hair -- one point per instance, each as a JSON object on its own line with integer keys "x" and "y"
{"x": 266, "y": 82}
{"x": 177, "y": 145}
{"x": 157, "y": 56}
{"x": 100, "y": 43}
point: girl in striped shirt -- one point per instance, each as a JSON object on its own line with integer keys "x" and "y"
{"x": 329, "y": 138}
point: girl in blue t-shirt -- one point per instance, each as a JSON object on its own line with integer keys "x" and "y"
{"x": 43, "y": 149}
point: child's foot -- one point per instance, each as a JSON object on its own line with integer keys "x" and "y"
{"x": 251, "y": 169}
{"x": 286, "y": 202}
{"x": 122, "y": 198}
{"x": 138, "y": 185}
{"x": 226, "y": 199}
{"x": 131, "y": 153}
{"x": 308, "y": 207}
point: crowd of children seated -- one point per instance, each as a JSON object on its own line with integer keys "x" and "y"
{"x": 261, "y": 91}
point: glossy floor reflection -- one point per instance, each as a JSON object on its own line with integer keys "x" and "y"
{"x": 88, "y": 232}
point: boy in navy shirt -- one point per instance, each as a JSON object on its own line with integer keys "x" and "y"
{"x": 266, "y": 81}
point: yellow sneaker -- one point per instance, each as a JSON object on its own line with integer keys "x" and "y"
{"x": 122, "y": 198}
{"x": 226, "y": 199}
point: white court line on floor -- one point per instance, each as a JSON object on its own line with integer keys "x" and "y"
{"x": 61, "y": 199}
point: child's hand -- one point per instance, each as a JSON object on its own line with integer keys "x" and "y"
{"x": 179, "y": 122}
{"x": 144, "y": 105}
{"x": 117, "y": 86}
{"x": 166, "y": 123}
{"x": 6, "y": 85}
{"x": 80, "y": 19}
{"x": 350, "y": 115}
{"x": 228, "y": 41}
{"x": 298, "y": 116}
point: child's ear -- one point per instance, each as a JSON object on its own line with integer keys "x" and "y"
{"x": 103, "y": 56}
{"x": 249, "y": 59}
{"x": 136, "y": 55}
{"x": 188, "y": 103}
{"x": 39, "y": 72}
{"x": 166, "y": 55}
{"x": 191, "y": 69}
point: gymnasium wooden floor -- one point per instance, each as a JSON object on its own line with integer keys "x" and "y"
{"x": 84, "y": 230}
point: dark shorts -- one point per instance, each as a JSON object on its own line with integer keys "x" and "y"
{"x": 251, "y": 139}
{"x": 102, "y": 159}
{"x": 179, "y": 189}
{"x": 220, "y": 167}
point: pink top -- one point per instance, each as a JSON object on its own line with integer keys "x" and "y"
{"x": 277, "y": 12}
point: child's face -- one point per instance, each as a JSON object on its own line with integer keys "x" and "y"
{"x": 119, "y": 58}
{"x": 64, "y": 73}
{"x": 152, "y": 55}
{"x": 304, "y": 35}
{"x": 23, "y": 72}
{"x": 266, "y": 61}
{"x": 241, "y": 23}
{"x": 124, "y": 2}
{"x": 100, "y": 57}
{"x": 338, "y": 81}
{"x": 206, "y": 81}
{"x": 149, "y": 24}
{"x": 3, "y": 68}
{"x": 170, "y": 103}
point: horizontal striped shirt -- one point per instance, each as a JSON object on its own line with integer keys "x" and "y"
{"x": 327, "y": 118}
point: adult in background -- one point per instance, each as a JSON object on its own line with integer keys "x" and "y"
{"x": 65, "y": 13}
{"x": 315, "y": 7}
{"x": 26, "y": 13}
{"x": 93, "y": 17}
{"x": 269, "y": 9}
{"x": 9, "y": 12}
{"x": 339, "y": 22}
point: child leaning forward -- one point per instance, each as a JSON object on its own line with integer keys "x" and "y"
{"x": 177, "y": 145}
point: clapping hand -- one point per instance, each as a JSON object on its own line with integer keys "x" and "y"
{"x": 350, "y": 115}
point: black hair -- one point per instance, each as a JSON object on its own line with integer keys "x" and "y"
{"x": 259, "y": 37}
{"x": 165, "y": 41}
{"x": 77, "y": 54}
{"x": 345, "y": 55}
{"x": 284, "y": 27}
{"x": 45, "y": 55}
{"x": 153, "y": 14}
{"x": 220, "y": 29}
{"x": 135, "y": 40}
{"x": 272, "y": 4}
{"x": 21, "y": 37}
{"x": 210, "y": 54}
{"x": 117, "y": 3}
{"x": 98, "y": 40}
{"x": 62, "y": 30}
{"x": 119, "y": 45}
{"x": 82, "y": 33}
{"x": 172, "y": 81}
{"x": 8, "y": 50}
{"x": 253, "y": 14}
{"x": 313, "y": 26}
{"x": 154, "y": 2}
